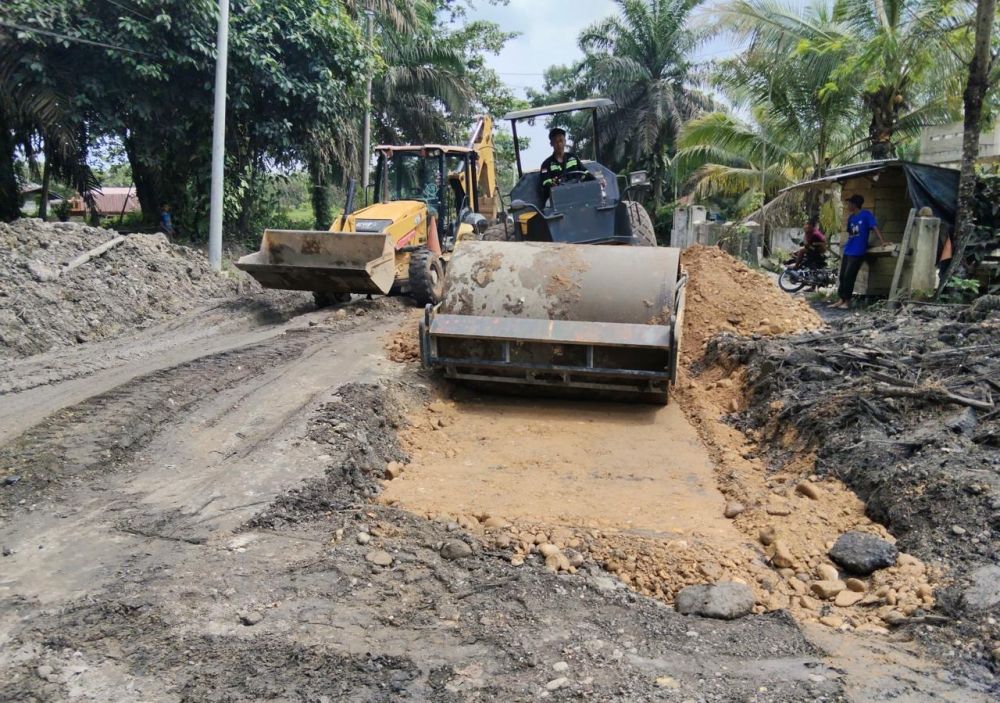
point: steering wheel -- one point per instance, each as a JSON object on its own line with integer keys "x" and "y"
{"x": 577, "y": 177}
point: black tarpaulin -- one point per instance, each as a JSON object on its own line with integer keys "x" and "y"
{"x": 933, "y": 187}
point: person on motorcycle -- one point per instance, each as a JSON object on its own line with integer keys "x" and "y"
{"x": 813, "y": 251}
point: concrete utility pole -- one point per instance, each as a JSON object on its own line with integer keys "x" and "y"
{"x": 366, "y": 159}
{"x": 219, "y": 139}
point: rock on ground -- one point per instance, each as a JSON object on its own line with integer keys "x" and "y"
{"x": 984, "y": 591}
{"x": 862, "y": 553}
{"x": 455, "y": 549}
{"x": 726, "y": 600}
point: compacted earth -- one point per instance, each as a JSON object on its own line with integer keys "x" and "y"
{"x": 250, "y": 499}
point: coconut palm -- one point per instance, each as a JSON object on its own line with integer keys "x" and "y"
{"x": 728, "y": 157}
{"x": 804, "y": 119}
{"x": 893, "y": 54}
{"x": 641, "y": 59}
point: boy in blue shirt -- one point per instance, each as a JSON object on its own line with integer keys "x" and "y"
{"x": 860, "y": 223}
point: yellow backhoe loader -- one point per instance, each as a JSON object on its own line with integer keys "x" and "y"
{"x": 427, "y": 199}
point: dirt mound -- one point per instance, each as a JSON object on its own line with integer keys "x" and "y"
{"x": 885, "y": 404}
{"x": 43, "y": 304}
{"x": 726, "y": 295}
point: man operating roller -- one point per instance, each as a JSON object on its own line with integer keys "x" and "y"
{"x": 562, "y": 163}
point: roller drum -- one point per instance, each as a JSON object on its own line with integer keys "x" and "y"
{"x": 562, "y": 282}
{"x": 563, "y": 319}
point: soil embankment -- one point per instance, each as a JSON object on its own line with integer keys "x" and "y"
{"x": 898, "y": 406}
{"x": 49, "y": 299}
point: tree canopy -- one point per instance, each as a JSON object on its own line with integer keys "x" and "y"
{"x": 74, "y": 74}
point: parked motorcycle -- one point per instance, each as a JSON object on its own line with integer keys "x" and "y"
{"x": 792, "y": 279}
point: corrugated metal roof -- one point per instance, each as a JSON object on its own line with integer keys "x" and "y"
{"x": 845, "y": 173}
{"x": 111, "y": 200}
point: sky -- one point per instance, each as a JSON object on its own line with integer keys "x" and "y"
{"x": 549, "y": 30}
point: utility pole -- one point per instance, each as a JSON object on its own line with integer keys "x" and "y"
{"x": 219, "y": 139}
{"x": 366, "y": 159}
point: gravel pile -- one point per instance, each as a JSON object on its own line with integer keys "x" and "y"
{"x": 44, "y": 305}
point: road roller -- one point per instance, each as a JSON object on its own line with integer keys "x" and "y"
{"x": 540, "y": 310}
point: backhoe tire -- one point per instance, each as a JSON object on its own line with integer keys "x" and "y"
{"x": 643, "y": 234}
{"x": 325, "y": 300}
{"x": 499, "y": 232}
{"x": 426, "y": 277}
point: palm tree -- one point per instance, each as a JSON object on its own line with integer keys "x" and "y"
{"x": 34, "y": 109}
{"x": 728, "y": 157}
{"x": 890, "y": 53}
{"x": 902, "y": 54}
{"x": 420, "y": 81}
{"x": 804, "y": 119}
{"x": 424, "y": 81}
{"x": 641, "y": 59}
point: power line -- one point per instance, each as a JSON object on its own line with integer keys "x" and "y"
{"x": 130, "y": 10}
{"x": 66, "y": 37}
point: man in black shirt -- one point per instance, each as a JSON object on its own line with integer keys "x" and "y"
{"x": 560, "y": 164}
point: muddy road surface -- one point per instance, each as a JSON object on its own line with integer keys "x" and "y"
{"x": 201, "y": 513}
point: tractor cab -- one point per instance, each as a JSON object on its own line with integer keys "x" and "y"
{"x": 443, "y": 178}
{"x": 584, "y": 208}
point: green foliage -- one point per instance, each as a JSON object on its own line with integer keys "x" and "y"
{"x": 663, "y": 222}
{"x": 888, "y": 66}
{"x": 641, "y": 58}
{"x": 296, "y": 72}
{"x": 488, "y": 93}
{"x": 959, "y": 290}
{"x": 61, "y": 210}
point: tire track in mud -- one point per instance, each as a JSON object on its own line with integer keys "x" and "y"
{"x": 98, "y": 436}
{"x": 330, "y": 623}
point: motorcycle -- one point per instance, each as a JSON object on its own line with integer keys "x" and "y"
{"x": 792, "y": 279}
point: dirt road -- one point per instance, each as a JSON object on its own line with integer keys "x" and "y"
{"x": 194, "y": 519}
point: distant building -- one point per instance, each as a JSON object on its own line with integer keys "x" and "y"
{"x": 109, "y": 200}
{"x": 942, "y": 145}
{"x": 29, "y": 194}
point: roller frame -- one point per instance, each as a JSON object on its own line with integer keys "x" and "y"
{"x": 589, "y": 335}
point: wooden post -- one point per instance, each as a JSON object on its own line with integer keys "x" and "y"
{"x": 904, "y": 248}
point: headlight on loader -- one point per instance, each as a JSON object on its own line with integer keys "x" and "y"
{"x": 371, "y": 226}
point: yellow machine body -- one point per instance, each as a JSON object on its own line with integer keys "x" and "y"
{"x": 368, "y": 250}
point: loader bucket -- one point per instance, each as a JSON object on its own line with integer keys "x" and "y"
{"x": 563, "y": 319}
{"x": 328, "y": 262}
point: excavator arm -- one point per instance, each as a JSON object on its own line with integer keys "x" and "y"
{"x": 481, "y": 141}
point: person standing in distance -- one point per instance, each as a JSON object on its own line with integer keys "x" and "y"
{"x": 860, "y": 223}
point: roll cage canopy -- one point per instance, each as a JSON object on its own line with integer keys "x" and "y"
{"x": 593, "y": 104}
